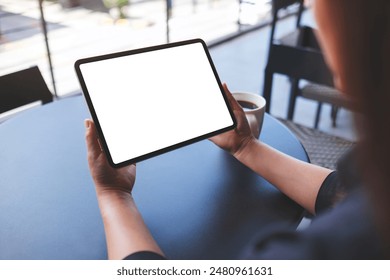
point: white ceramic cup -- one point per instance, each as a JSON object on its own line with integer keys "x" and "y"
{"x": 254, "y": 108}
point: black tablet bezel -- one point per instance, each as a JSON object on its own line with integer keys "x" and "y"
{"x": 95, "y": 118}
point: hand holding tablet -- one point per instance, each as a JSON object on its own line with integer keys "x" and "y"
{"x": 149, "y": 101}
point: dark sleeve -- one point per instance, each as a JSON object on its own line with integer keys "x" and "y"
{"x": 339, "y": 184}
{"x": 330, "y": 193}
{"x": 144, "y": 255}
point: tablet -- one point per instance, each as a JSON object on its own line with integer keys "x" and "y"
{"x": 149, "y": 101}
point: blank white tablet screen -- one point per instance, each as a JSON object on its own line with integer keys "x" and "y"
{"x": 148, "y": 101}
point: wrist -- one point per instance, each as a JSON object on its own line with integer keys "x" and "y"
{"x": 245, "y": 148}
{"x": 112, "y": 203}
{"x": 113, "y": 195}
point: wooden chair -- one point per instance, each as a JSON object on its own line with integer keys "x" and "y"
{"x": 22, "y": 88}
{"x": 299, "y": 56}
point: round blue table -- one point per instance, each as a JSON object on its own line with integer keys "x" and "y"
{"x": 198, "y": 201}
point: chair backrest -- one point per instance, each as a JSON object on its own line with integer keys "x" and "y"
{"x": 299, "y": 63}
{"x": 282, "y": 4}
{"x": 22, "y": 88}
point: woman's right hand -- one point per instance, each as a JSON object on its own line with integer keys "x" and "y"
{"x": 106, "y": 178}
{"x": 235, "y": 140}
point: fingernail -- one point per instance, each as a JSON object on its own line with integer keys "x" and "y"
{"x": 87, "y": 123}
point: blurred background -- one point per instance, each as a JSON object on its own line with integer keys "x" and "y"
{"x": 81, "y": 28}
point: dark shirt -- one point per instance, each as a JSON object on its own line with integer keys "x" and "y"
{"x": 342, "y": 229}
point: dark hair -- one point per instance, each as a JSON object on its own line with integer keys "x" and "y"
{"x": 367, "y": 78}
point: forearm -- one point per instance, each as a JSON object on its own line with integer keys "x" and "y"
{"x": 297, "y": 179}
{"x": 126, "y": 232}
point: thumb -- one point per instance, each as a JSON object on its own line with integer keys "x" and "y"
{"x": 91, "y": 138}
{"x": 232, "y": 101}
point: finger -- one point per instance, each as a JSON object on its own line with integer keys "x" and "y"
{"x": 91, "y": 138}
{"x": 133, "y": 168}
{"x": 233, "y": 102}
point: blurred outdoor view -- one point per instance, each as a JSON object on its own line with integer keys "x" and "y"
{"x": 82, "y": 28}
